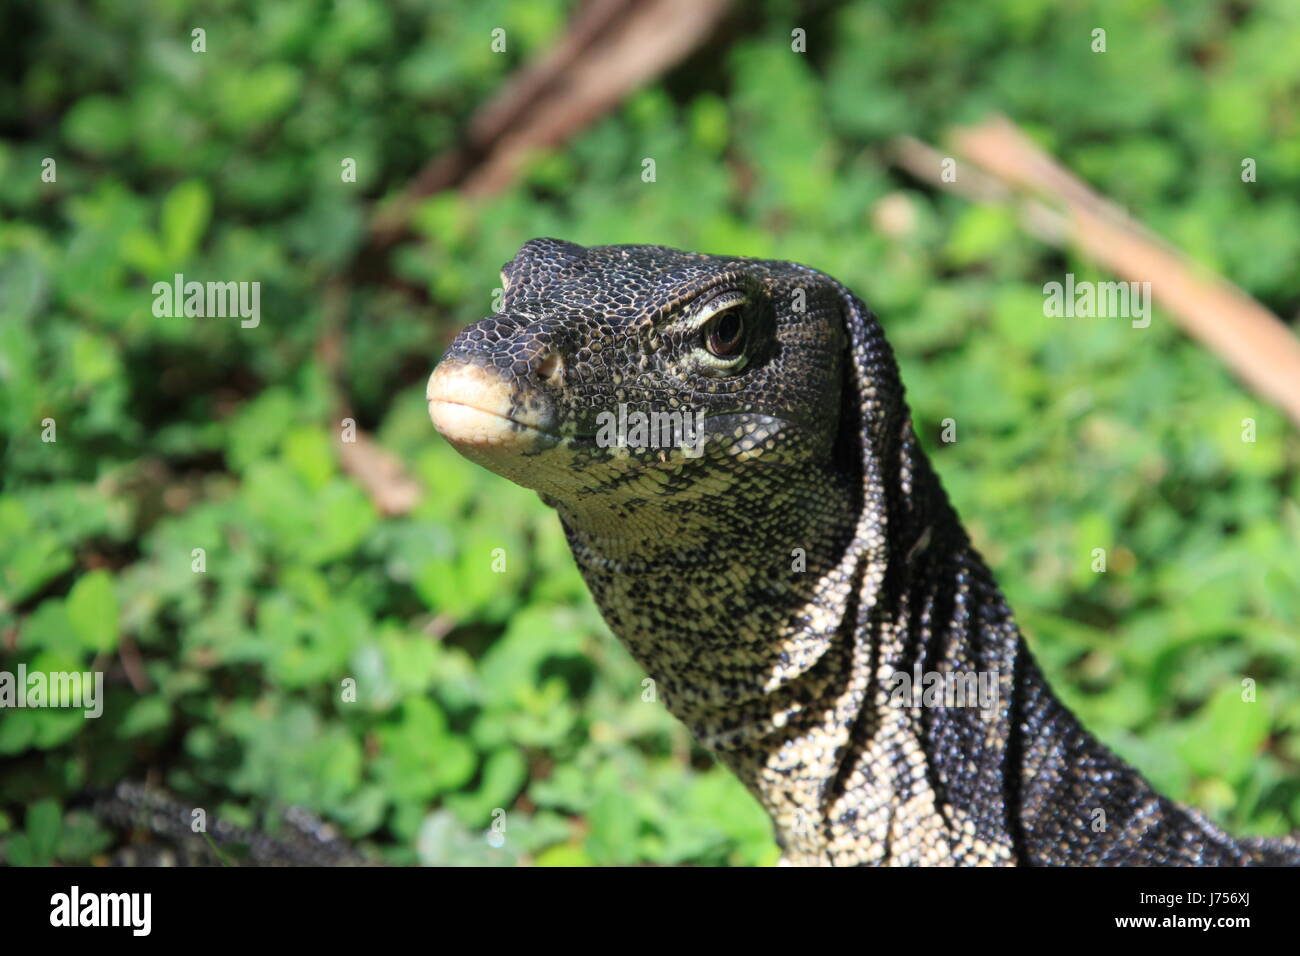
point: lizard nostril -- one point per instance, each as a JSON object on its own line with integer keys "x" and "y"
{"x": 550, "y": 370}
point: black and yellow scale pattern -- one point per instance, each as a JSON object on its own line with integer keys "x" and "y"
{"x": 774, "y": 585}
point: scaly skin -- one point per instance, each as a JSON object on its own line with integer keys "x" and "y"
{"x": 776, "y": 584}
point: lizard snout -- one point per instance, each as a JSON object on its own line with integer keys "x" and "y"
{"x": 492, "y": 414}
{"x": 471, "y": 406}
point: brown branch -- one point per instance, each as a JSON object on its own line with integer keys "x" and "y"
{"x": 611, "y": 48}
{"x": 1004, "y": 165}
{"x": 379, "y": 472}
{"x": 926, "y": 163}
{"x": 133, "y": 664}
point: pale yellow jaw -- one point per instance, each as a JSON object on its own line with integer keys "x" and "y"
{"x": 470, "y": 406}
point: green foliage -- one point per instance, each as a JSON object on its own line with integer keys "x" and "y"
{"x": 482, "y": 688}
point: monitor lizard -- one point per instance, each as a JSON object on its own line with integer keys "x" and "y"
{"x": 778, "y": 554}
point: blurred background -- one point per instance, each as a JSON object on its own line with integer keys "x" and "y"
{"x": 485, "y": 696}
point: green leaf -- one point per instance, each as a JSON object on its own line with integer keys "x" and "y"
{"x": 307, "y": 450}
{"x": 81, "y": 838}
{"x": 563, "y": 854}
{"x": 1225, "y": 737}
{"x": 185, "y": 215}
{"x": 29, "y": 557}
{"x": 44, "y": 824}
{"x": 146, "y": 715}
{"x": 98, "y": 125}
{"x": 93, "y": 611}
{"x": 614, "y": 828}
{"x": 18, "y": 851}
{"x": 504, "y": 773}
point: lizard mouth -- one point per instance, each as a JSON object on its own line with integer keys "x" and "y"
{"x": 475, "y": 409}
{"x": 463, "y": 424}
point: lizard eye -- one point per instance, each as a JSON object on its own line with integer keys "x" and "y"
{"x": 725, "y": 333}
{"x": 722, "y": 330}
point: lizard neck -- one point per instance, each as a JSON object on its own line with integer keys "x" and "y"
{"x": 779, "y": 638}
{"x": 900, "y": 754}
{"x": 866, "y": 681}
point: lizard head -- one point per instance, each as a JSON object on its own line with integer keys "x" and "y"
{"x": 629, "y": 373}
{"x": 734, "y": 549}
